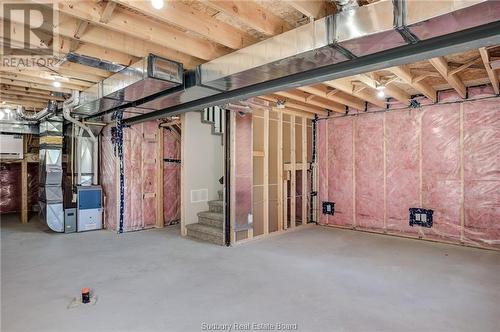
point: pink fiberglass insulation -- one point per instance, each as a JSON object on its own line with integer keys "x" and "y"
{"x": 171, "y": 177}
{"x": 444, "y": 157}
{"x": 402, "y": 169}
{"x": 108, "y": 179}
{"x": 10, "y": 186}
{"x": 482, "y": 171}
{"x": 441, "y": 169}
{"x": 340, "y": 170}
{"x": 369, "y": 171}
{"x": 139, "y": 151}
{"x": 243, "y": 170}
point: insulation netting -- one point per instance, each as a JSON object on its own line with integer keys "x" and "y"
{"x": 444, "y": 157}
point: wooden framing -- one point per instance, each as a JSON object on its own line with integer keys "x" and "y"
{"x": 456, "y": 83}
{"x": 280, "y": 171}
{"x": 491, "y": 73}
{"x": 293, "y": 191}
{"x": 159, "y": 179}
{"x": 265, "y": 209}
{"x": 304, "y": 172}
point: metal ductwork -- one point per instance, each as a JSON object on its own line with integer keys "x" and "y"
{"x": 11, "y": 122}
{"x": 343, "y": 5}
{"x": 37, "y": 116}
{"x": 50, "y": 197}
{"x": 146, "y": 77}
{"x": 344, "y": 36}
{"x": 406, "y": 30}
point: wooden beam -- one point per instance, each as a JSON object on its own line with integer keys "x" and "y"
{"x": 40, "y": 97}
{"x": 293, "y": 173}
{"x": 114, "y": 40}
{"x": 40, "y": 80}
{"x": 491, "y": 73}
{"x": 280, "y": 169}
{"x": 404, "y": 73}
{"x": 44, "y": 75}
{"x": 346, "y": 86}
{"x": 312, "y": 100}
{"x": 252, "y": 15}
{"x": 24, "y": 190}
{"x": 265, "y": 208}
{"x": 297, "y": 105}
{"x": 22, "y": 102}
{"x": 185, "y": 17}
{"x": 80, "y": 30}
{"x": 33, "y": 85}
{"x": 327, "y": 92}
{"x": 304, "y": 171}
{"x": 107, "y": 11}
{"x": 159, "y": 179}
{"x": 456, "y": 83}
{"x": 373, "y": 81}
{"x": 143, "y": 29}
{"x": 311, "y": 8}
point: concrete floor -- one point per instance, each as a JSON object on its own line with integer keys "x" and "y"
{"x": 321, "y": 279}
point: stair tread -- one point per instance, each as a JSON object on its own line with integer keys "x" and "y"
{"x": 211, "y": 215}
{"x": 216, "y": 202}
{"x": 211, "y": 230}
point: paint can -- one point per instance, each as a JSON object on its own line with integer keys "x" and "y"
{"x": 85, "y": 295}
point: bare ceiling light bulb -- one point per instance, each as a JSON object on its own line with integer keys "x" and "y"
{"x": 56, "y": 84}
{"x": 381, "y": 93}
{"x": 157, "y": 4}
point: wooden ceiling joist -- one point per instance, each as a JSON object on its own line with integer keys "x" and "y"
{"x": 296, "y": 105}
{"x": 32, "y": 85}
{"x": 491, "y": 73}
{"x": 160, "y": 34}
{"x": 334, "y": 95}
{"x": 252, "y": 15}
{"x": 23, "y": 102}
{"x": 42, "y": 77}
{"x": 391, "y": 90}
{"x": 346, "y": 86}
{"x": 183, "y": 16}
{"x": 314, "y": 100}
{"x": 404, "y": 73}
{"x": 107, "y": 11}
{"x": 456, "y": 83}
{"x": 312, "y": 8}
{"x": 15, "y": 93}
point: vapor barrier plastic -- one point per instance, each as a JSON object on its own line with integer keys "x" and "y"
{"x": 444, "y": 157}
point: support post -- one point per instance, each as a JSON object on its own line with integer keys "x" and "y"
{"x": 266, "y": 173}
{"x": 280, "y": 171}
{"x": 159, "y": 179}
{"x": 24, "y": 191}
{"x": 293, "y": 175}
{"x": 304, "y": 171}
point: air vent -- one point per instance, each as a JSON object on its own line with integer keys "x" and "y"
{"x": 199, "y": 195}
{"x": 421, "y": 217}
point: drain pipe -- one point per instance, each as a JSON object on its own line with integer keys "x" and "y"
{"x": 67, "y": 107}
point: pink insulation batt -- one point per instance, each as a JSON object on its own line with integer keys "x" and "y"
{"x": 444, "y": 157}
{"x": 243, "y": 170}
{"x": 140, "y": 149}
{"x": 171, "y": 177}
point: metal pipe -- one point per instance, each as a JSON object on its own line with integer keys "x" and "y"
{"x": 343, "y": 5}
{"x": 37, "y": 116}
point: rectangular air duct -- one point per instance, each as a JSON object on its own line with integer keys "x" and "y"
{"x": 148, "y": 76}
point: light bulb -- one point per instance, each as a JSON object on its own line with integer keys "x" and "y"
{"x": 157, "y": 4}
{"x": 56, "y": 84}
{"x": 381, "y": 94}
